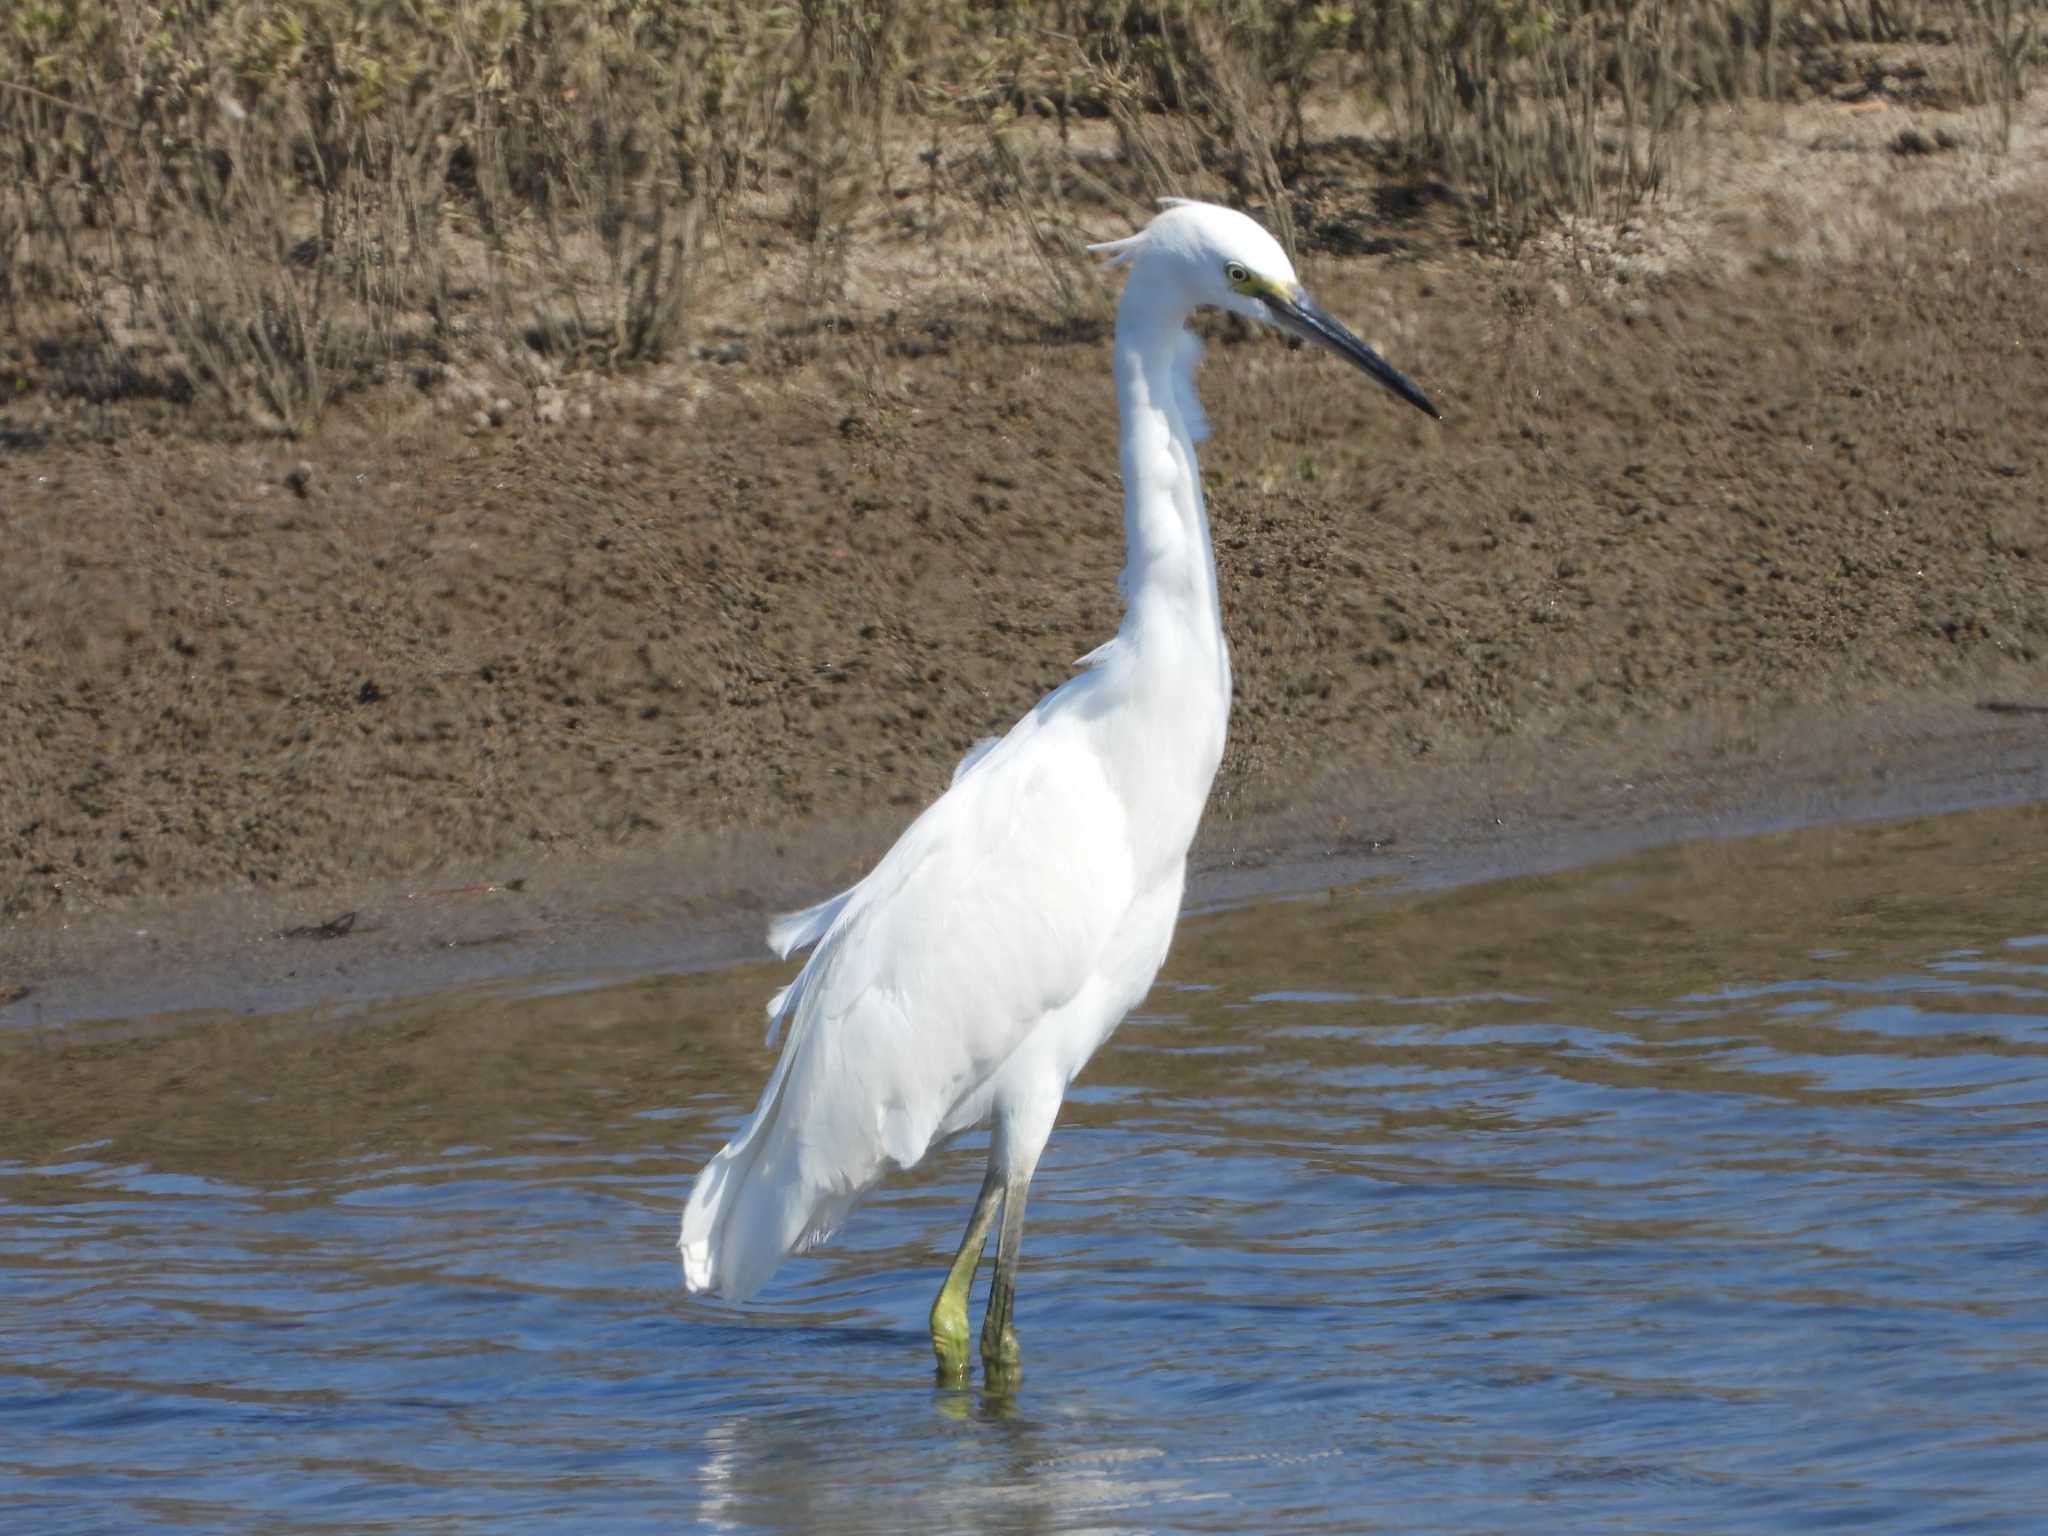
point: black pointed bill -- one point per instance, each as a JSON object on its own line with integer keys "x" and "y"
{"x": 1299, "y": 315}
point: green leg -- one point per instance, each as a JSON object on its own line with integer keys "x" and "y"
{"x": 1000, "y": 1360}
{"x": 949, "y": 1312}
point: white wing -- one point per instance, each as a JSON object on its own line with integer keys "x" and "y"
{"x": 990, "y": 912}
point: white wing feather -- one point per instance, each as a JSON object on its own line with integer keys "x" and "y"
{"x": 986, "y": 916}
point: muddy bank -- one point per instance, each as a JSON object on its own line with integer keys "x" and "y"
{"x": 1498, "y": 809}
{"x": 741, "y": 618}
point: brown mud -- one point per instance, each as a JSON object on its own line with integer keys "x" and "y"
{"x": 1745, "y": 532}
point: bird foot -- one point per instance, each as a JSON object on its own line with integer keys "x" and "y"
{"x": 949, "y": 1344}
{"x": 1001, "y": 1360}
{"x": 952, "y": 1368}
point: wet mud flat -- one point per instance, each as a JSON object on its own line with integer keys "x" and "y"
{"x": 1500, "y": 810}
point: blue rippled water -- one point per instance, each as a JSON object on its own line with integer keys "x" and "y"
{"x": 1747, "y": 1240}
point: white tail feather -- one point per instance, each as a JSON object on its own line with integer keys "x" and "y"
{"x": 733, "y": 1235}
{"x": 757, "y": 1202}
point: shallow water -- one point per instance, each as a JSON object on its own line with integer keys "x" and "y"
{"x": 1700, "y": 1192}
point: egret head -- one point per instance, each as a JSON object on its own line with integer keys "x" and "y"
{"x": 1211, "y": 257}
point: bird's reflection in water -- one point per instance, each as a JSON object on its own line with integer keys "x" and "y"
{"x": 992, "y": 1462}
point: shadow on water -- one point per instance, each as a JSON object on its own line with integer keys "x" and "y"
{"x": 1695, "y": 1192}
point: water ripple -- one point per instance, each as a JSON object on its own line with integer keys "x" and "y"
{"x": 1685, "y": 1246}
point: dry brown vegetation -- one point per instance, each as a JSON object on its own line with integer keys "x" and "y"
{"x": 265, "y": 204}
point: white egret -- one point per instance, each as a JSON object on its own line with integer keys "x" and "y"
{"x": 972, "y": 974}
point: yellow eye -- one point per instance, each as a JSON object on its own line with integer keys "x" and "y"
{"x": 1237, "y": 273}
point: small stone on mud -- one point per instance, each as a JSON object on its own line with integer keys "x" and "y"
{"x": 500, "y": 412}
{"x": 549, "y": 408}
{"x": 300, "y": 477}
{"x": 1635, "y": 311}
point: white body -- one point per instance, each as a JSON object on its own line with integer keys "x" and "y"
{"x": 1007, "y": 933}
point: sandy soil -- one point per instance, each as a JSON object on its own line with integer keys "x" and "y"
{"x": 736, "y": 618}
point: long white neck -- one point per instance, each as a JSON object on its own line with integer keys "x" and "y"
{"x": 1169, "y": 575}
{"x": 1157, "y": 699}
